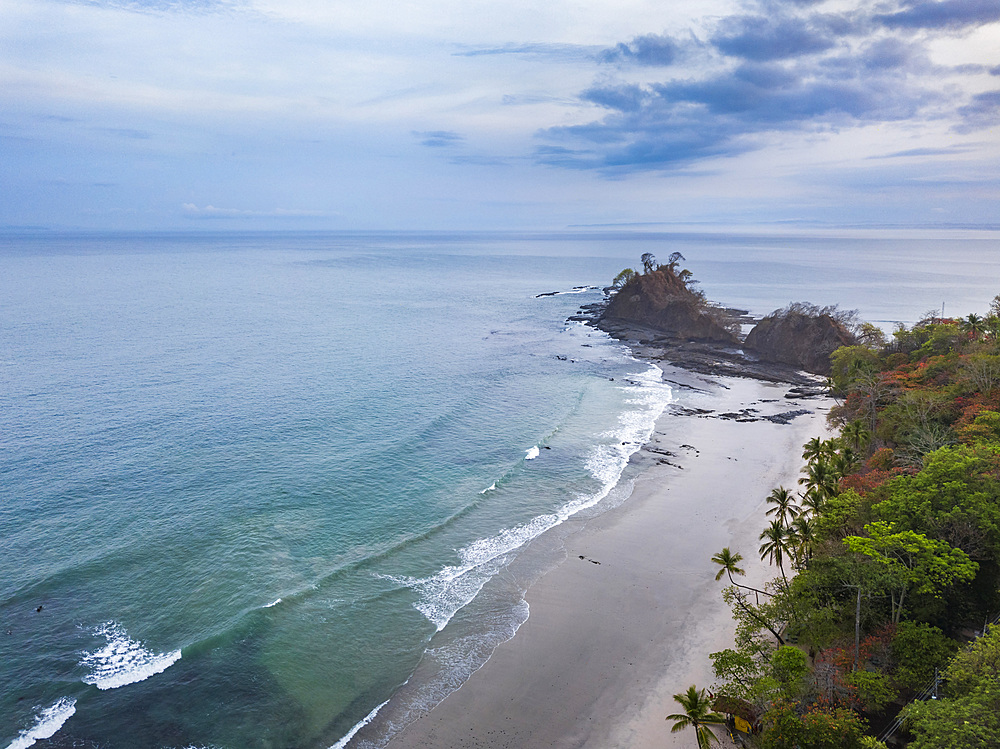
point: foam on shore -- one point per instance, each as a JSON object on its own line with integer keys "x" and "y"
{"x": 358, "y": 726}
{"x": 635, "y": 592}
{"x": 444, "y": 594}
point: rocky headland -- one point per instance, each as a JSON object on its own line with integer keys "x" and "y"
{"x": 660, "y": 316}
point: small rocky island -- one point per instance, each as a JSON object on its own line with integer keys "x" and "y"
{"x": 662, "y": 314}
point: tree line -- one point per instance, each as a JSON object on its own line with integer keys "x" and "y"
{"x": 888, "y": 558}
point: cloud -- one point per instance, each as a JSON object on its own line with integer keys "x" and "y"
{"x": 438, "y": 138}
{"x": 650, "y": 49}
{"x": 950, "y": 14}
{"x": 785, "y": 68}
{"x": 564, "y": 52}
{"x": 657, "y": 137}
{"x": 763, "y": 38}
{"x": 627, "y": 98}
{"x": 950, "y": 151}
{"x": 146, "y": 6}
{"x": 211, "y": 212}
{"x": 982, "y": 111}
{"x": 890, "y": 54}
{"x": 677, "y": 122}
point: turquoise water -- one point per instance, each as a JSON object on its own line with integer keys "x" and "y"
{"x": 256, "y": 484}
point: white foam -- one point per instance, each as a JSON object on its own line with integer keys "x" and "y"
{"x": 272, "y": 604}
{"x": 576, "y": 290}
{"x": 454, "y": 587}
{"x": 491, "y": 488}
{"x": 123, "y": 660}
{"x": 361, "y": 724}
{"x": 47, "y": 722}
{"x": 532, "y": 453}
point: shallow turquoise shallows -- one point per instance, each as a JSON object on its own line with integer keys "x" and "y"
{"x": 249, "y": 484}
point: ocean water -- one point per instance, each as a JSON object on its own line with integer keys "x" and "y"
{"x": 254, "y": 488}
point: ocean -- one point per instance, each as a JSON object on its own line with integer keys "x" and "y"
{"x": 252, "y": 486}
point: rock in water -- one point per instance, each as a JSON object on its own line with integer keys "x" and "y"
{"x": 801, "y": 336}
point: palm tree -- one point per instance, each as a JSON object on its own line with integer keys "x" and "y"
{"x": 820, "y": 477}
{"x": 812, "y": 502}
{"x": 817, "y": 448}
{"x": 784, "y": 505}
{"x": 728, "y": 561}
{"x": 973, "y": 325}
{"x": 802, "y": 535}
{"x": 775, "y": 546}
{"x": 856, "y": 435}
{"x": 697, "y": 715}
{"x": 844, "y": 462}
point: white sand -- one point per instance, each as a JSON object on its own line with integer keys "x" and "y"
{"x": 607, "y": 645}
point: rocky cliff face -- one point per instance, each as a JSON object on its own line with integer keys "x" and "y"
{"x": 799, "y": 339}
{"x": 660, "y": 300}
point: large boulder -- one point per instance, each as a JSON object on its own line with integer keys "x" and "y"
{"x": 661, "y": 301}
{"x": 801, "y": 336}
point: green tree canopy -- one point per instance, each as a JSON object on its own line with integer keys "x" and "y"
{"x": 785, "y": 728}
{"x": 623, "y": 278}
{"x": 969, "y": 713}
{"x": 914, "y": 563}
{"x": 955, "y": 498}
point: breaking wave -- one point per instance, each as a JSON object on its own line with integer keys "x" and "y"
{"x": 47, "y": 723}
{"x": 123, "y": 660}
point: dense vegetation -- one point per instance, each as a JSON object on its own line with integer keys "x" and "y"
{"x": 888, "y": 554}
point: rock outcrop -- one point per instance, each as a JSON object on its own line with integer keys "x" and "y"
{"x": 662, "y": 301}
{"x": 800, "y": 336}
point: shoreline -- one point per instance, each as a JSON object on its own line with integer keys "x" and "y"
{"x": 629, "y": 610}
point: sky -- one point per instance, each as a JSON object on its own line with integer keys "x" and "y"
{"x": 481, "y": 114}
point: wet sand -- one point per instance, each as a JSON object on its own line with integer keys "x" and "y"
{"x": 630, "y": 614}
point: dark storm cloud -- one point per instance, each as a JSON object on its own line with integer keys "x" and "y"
{"x": 785, "y": 68}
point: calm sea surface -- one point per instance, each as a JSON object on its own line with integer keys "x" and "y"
{"x": 250, "y": 486}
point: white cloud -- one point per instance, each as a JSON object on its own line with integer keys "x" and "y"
{"x": 210, "y": 211}
{"x": 313, "y": 103}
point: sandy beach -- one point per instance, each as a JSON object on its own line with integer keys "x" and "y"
{"x": 629, "y": 615}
